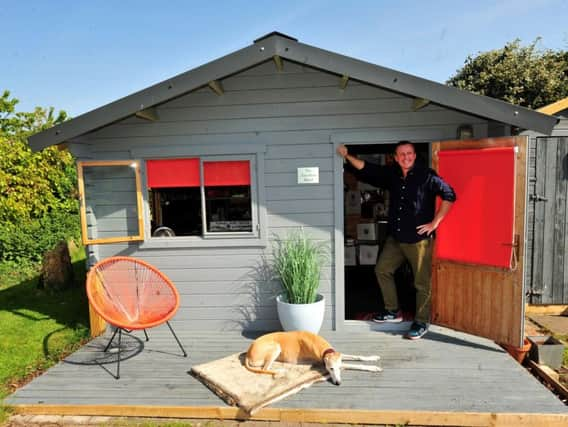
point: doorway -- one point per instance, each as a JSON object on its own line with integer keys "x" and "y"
{"x": 365, "y": 231}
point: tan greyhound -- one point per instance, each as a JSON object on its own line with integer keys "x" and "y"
{"x": 298, "y": 347}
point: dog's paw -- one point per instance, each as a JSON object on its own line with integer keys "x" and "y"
{"x": 373, "y": 358}
{"x": 377, "y": 369}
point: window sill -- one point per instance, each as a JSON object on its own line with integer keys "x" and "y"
{"x": 199, "y": 242}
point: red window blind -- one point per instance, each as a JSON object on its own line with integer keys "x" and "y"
{"x": 223, "y": 173}
{"x": 168, "y": 173}
{"x": 479, "y": 228}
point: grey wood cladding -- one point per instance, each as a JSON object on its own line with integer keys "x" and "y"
{"x": 294, "y": 115}
{"x": 548, "y": 272}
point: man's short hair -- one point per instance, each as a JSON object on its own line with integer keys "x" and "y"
{"x": 399, "y": 143}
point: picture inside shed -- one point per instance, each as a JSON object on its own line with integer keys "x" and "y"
{"x": 366, "y": 228}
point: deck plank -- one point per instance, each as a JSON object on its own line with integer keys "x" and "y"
{"x": 445, "y": 371}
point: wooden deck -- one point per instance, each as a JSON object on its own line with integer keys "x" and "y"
{"x": 447, "y": 378}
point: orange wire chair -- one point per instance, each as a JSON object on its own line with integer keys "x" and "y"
{"x": 131, "y": 294}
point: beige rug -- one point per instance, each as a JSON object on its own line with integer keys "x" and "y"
{"x": 232, "y": 382}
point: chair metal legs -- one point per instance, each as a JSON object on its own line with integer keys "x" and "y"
{"x": 110, "y": 342}
{"x": 177, "y": 340}
{"x": 119, "y": 330}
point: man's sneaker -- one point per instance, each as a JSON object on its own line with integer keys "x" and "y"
{"x": 388, "y": 316}
{"x": 417, "y": 330}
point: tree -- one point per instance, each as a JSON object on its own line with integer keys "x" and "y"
{"x": 37, "y": 190}
{"x": 521, "y": 75}
{"x": 20, "y": 125}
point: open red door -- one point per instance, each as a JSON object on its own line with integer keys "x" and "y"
{"x": 477, "y": 275}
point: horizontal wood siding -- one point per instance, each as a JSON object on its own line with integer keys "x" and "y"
{"x": 293, "y": 114}
{"x": 110, "y": 194}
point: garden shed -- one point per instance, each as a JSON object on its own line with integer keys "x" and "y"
{"x": 547, "y": 262}
{"x": 199, "y": 174}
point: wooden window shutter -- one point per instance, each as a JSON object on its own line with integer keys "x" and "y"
{"x": 111, "y": 201}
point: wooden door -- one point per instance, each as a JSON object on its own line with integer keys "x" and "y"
{"x": 473, "y": 297}
{"x": 548, "y": 281}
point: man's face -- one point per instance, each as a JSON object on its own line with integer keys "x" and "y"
{"x": 405, "y": 156}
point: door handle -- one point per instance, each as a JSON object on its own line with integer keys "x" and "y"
{"x": 515, "y": 253}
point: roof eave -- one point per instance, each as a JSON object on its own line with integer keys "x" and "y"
{"x": 555, "y": 107}
{"x": 397, "y": 81}
{"x": 288, "y": 48}
{"x": 153, "y": 95}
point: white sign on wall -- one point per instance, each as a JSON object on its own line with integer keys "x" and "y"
{"x": 308, "y": 175}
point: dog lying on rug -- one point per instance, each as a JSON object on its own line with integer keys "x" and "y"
{"x": 301, "y": 346}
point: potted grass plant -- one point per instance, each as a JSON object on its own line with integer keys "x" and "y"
{"x": 297, "y": 263}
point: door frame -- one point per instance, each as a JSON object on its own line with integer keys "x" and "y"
{"x": 417, "y": 136}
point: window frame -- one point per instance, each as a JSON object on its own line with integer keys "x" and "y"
{"x": 253, "y": 198}
{"x": 256, "y": 238}
{"x": 135, "y": 165}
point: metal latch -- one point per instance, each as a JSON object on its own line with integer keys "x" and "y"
{"x": 514, "y": 263}
{"x": 534, "y": 293}
{"x": 538, "y": 198}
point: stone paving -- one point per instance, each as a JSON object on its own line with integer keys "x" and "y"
{"x": 91, "y": 421}
{"x": 58, "y": 420}
{"x": 555, "y": 324}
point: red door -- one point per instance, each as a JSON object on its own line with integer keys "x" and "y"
{"x": 477, "y": 276}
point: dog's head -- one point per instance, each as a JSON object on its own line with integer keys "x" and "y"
{"x": 332, "y": 361}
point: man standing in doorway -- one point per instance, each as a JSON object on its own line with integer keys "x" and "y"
{"x": 412, "y": 221}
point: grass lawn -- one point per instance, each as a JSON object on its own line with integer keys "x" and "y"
{"x": 38, "y": 327}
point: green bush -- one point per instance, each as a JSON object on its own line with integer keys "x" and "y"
{"x": 31, "y": 239}
{"x": 38, "y": 203}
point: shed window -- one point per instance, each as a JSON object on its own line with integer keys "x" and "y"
{"x": 204, "y": 197}
{"x": 111, "y": 201}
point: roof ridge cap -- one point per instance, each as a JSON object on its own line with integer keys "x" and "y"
{"x": 275, "y": 33}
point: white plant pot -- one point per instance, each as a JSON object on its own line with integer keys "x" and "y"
{"x": 301, "y": 317}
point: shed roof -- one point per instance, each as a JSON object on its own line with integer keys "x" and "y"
{"x": 285, "y": 47}
{"x": 555, "y": 107}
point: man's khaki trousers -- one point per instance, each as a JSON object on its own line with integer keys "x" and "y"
{"x": 419, "y": 255}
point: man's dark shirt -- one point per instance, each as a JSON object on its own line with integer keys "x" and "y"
{"x": 412, "y": 199}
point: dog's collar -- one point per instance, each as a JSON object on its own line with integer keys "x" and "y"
{"x": 326, "y": 352}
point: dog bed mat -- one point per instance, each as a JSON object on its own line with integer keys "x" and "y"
{"x": 237, "y": 386}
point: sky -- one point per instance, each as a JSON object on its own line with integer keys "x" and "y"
{"x": 79, "y": 55}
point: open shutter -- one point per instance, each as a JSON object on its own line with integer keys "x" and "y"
{"x": 172, "y": 173}
{"x": 111, "y": 201}
{"x": 226, "y": 173}
{"x": 477, "y": 283}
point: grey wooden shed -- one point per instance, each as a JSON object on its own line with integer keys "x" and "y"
{"x": 547, "y": 213}
{"x": 274, "y": 112}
